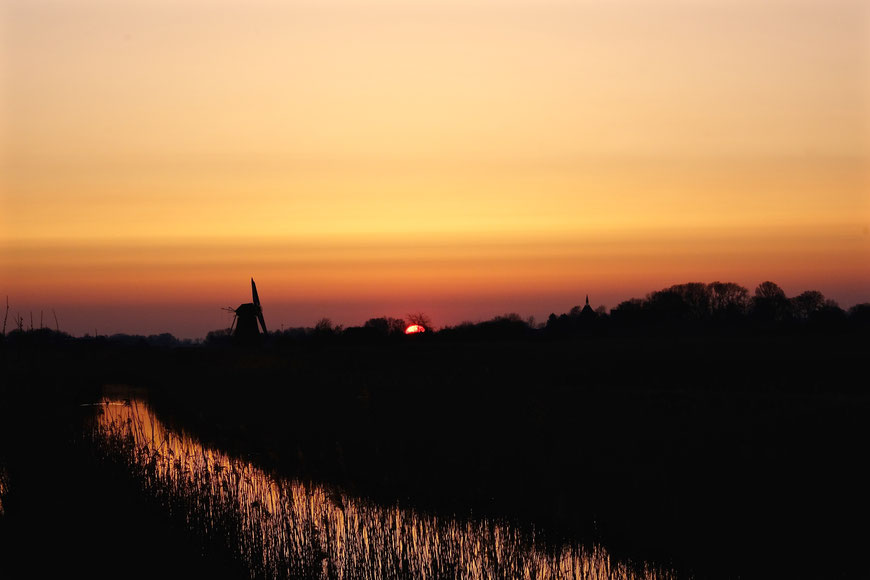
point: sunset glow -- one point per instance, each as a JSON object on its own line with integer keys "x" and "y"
{"x": 464, "y": 159}
{"x": 414, "y": 329}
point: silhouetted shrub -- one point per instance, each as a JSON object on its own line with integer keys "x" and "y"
{"x": 859, "y": 316}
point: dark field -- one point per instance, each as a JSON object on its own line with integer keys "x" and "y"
{"x": 718, "y": 456}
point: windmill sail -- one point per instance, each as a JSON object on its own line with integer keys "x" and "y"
{"x": 259, "y": 308}
{"x": 254, "y": 293}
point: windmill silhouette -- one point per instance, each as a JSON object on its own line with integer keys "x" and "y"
{"x": 246, "y": 317}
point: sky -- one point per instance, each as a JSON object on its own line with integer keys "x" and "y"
{"x": 461, "y": 158}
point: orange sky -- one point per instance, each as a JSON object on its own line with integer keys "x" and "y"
{"x": 466, "y": 159}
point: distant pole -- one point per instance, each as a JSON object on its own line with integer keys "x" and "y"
{"x": 56, "y": 325}
{"x": 31, "y": 320}
{"x": 6, "y": 315}
{"x": 40, "y": 320}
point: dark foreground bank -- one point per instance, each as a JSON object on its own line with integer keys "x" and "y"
{"x": 728, "y": 457}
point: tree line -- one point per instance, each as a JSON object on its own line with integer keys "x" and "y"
{"x": 717, "y": 307}
{"x": 690, "y": 308}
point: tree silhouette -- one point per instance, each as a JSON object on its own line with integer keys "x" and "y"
{"x": 696, "y": 298}
{"x": 805, "y": 304}
{"x": 769, "y": 291}
{"x": 385, "y": 326}
{"x": 324, "y": 327}
{"x": 859, "y": 315}
{"x": 667, "y": 306}
{"x": 770, "y": 303}
{"x": 629, "y": 313}
{"x": 420, "y": 319}
{"x": 728, "y": 300}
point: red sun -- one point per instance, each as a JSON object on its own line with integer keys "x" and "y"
{"x": 414, "y": 329}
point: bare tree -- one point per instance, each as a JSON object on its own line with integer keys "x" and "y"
{"x": 420, "y": 319}
{"x": 325, "y": 326}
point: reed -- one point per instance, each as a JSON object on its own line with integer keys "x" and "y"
{"x": 291, "y": 529}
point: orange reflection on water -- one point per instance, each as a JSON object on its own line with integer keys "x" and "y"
{"x": 289, "y": 528}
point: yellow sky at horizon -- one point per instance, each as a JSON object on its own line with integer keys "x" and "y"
{"x": 352, "y": 143}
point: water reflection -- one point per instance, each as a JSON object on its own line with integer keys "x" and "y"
{"x": 286, "y": 528}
